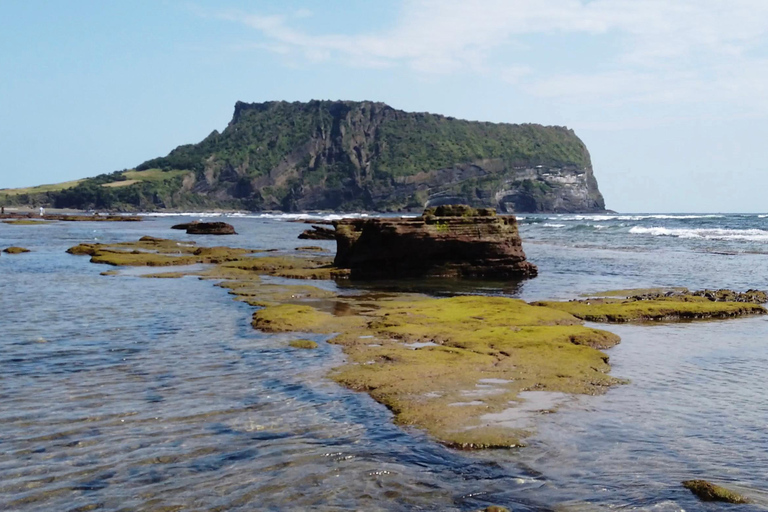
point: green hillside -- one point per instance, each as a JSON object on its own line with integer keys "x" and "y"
{"x": 344, "y": 155}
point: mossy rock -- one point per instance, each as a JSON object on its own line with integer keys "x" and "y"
{"x": 157, "y": 252}
{"x": 707, "y": 491}
{"x": 424, "y": 358}
{"x": 304, "y": 344}
{"x": 15, "y": 250}
{"x": 629, "y": 292}
{"x": 668, "y": 309}
{"x": 421, "y": 357}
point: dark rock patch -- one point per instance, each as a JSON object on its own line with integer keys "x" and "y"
{"x": 211, "y": 228}
{"x": 318, "y": 233}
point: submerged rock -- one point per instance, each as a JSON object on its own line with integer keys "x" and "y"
{"x": 447, "y": 241}
{"x": 15, "y": 250}
{"x": 707, "y": 491}
{"x": 210, "y": 228}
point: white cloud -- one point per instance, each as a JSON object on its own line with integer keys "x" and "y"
{"x": 670, "y": 50}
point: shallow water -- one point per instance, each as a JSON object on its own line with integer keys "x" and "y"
{"x": 138, "y": 394}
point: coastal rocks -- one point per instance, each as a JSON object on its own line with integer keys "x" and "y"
{"x": 446, "y": 241}
{"x": 206, "y": 228}
{"x": 15, "y": 250}
{"x": 670, "y": 306}
{"x": 751, "y": 296}
{"x": 185, "y": 225}
{"x": 318, "y": 233}
{"x": 707, "y": 491}
{"x": 210, "y": 228}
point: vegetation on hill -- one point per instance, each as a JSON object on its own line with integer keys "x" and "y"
{"x": 335, "y": 155}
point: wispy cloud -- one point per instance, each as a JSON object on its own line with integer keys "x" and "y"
{"x": 669, "y": 50}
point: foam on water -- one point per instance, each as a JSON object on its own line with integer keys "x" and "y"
{"x": 752, "y": 235}
{"x": 605, "y": 218}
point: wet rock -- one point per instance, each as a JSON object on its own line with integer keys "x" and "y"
{"x": 707, "y": 491}
{"x": 15, "y": 250}
{"x": 447, "y": 241}
{"x": 305, "y": 344}
{"x": 318, "y": 233}
{"x": 210, "y": 228}
{"x": 668, "y": 308}
{"x": 722, "y": 295}
{"x": 185, "y": 225}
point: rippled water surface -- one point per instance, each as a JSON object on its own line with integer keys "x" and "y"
{"x": 124, "y": 393}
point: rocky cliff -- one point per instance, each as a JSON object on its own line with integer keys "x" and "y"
{"x": 344, "y": 155}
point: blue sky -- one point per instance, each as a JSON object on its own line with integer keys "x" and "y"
{"x": 670, "y": 96}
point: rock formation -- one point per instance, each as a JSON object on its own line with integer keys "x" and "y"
{"x": 318, "y": 233}
{"x": 210, "y": 228}
{"x": 446, "y": 241}
{"x": 15, "y": 250}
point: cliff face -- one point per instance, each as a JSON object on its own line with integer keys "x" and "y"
{"x": 446, "y": 241}
{"x": 343, "y": 155}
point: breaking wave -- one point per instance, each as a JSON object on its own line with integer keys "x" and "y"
{"x": 751, "y": 235}
{"x": 603, "y": 218}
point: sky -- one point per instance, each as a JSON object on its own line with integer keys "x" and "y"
{"x": 670, "y": 96}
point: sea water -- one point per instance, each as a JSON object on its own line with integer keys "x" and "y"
{"x": 125, "y": 393}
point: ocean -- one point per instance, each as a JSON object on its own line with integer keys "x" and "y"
{"x": 125, "y": 393}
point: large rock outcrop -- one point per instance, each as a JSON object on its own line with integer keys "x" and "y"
{"x": 210, "y": 228}
{"x": 355, "y": 156}
{"x": 446, "y": 241}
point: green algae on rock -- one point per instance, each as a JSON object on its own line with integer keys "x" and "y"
{"x": 291, "y": 267}
{"x": 682, "y": 307}
{"x": 707, "y": 491}
{"x": 444, "y": 364}
{"x": 631, "y": 292}
{"x": 16, "y": 250}
{"x": 156, "y": 252}
{"x": 303, "y": 344}
{"x": 448, "y": 366}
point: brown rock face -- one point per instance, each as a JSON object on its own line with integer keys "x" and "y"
{"x": 318, "y": 233}
{"x": 210, "y": 228}
{"x": 185, "y": 226}
{"x": 447, "y": 241}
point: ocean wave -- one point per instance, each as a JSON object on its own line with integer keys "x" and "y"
{"x": 751, "y": 235}
{"x": 660, "y": 216}
{"x": 550, "y": 225}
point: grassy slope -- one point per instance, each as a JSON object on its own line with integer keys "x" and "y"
{"x": 40, "y": 189}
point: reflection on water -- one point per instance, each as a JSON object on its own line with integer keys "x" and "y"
{"x": 126, "y": 393}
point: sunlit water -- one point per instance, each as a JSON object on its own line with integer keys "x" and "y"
{"x": 124, "y": 393}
